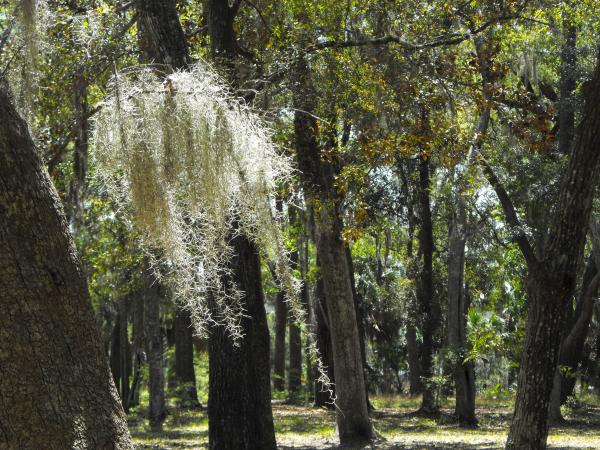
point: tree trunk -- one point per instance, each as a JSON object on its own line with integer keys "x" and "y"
{"x": 239, "y": 413}
{"x": 138, "y": 349}
{"x": 239, "y": 400}
{"x": 295, "y": 344}
{"x": 552, "y": 279}
{"x": 458, "y": 305}
{"x": 429, "y": 308}
{"x": 279, "y": 354}
{"x": 323, "y": 397}
{"x": 185, "y": 376}
{"x": 56, "y": 389}
{"x": 352, "y": 415}
{"x": 414, "y": 360}
{"x": 157, "y": 410}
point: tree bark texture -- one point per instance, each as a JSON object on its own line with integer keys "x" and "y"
{"x": 552, "y": 278}
{"x": 323, "y": 397}
{"x": 239, "y": 409}
{"x": 160, "y": 36}
{"x": 56, "y": 387}
{"x": 352, "y": 416}
{"x": 239, "y": 400}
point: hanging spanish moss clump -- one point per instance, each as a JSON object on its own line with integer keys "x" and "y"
{"x": 193, "y": 165}
{"x": 22, "y": 53}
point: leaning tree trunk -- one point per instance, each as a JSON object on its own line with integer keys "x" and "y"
{"x": 324, "y": 395}
{"x": 464, "y": 374}
{"x": 552, "y": 278}
{"x": 56, "y": 389}
{"x": 352, "y": 416}
{"x": 239, "y": 400}
{"x": 185, "y": 376}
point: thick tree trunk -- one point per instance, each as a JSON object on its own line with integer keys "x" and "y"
{"x": 239, "y": 399}
{"x": 429, "y": 307}
{"x": 157, "y": 409}
{"x": 56, "y": 389}
{"x": 239, "y": 413}
{"x": 458, "y": 305}
{"x": 185, "y": 376}
{"x": 279, "y": 351}
{"x": 552, "y": 279}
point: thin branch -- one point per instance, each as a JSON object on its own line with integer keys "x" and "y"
{"x": 442, "y": 41}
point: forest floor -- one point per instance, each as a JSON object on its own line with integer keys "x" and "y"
{"x": 394, "y": 418}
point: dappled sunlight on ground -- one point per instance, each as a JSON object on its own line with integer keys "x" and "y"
{"x": 395, "y": 420}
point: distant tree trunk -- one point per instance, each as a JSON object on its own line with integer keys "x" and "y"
{"x": 120, "y": 354}
{"x": 464, "y": 375}
{"x": 125, "y": 361}
{"x": 279, "y": 352}
{"x": 56, "y": 391}
{"x": 295, "y": 344}
{"x": 413, "y": 349}
{"x": 239, "y": 400}
{"x": 77, "y": 186}
{"x": 352, "y": 415}
{"x": 414, "y": 360}
{"x": 552, "y": 277}
{"x": 157, "y": 410}
{"x": 428, "y": 307}
{"x": 138, "y": 349}
{"x": 185, "y": 376}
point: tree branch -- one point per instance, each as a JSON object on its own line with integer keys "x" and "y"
{"x": 452, "y": 39}
{"x": 510, "y": 213}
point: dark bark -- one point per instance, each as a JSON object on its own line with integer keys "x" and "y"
{"x": 317, "y": 175}
{"x": 552, "y": 278}
{"x": 458, "y": 305}
{"x": 239, "y": 410}
{"x": 413, "y": 351}
{"x": 428, "y": 305}
{"x": 56, "y": 388}
{"x": 239, "y": 400}
{"x": 125, "y": 360}
{"x": 137, "y": 349}
{"x": 413, "y": 348}
{"x": 279, "y": 351}
{"x": 120, "y": 354}
{"x": 185, "y": 376}
{"x": 155, "y": 351}
{"x": 160, "y": 36}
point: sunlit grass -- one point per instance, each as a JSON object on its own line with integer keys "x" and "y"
{"x": 395, "y": 420}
